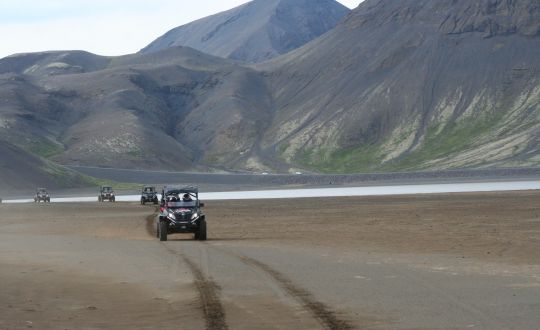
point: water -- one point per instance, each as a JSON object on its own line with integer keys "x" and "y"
{"x": 334, "y": 192}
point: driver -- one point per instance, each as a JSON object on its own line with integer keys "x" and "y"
{"x": 186, "y": 198}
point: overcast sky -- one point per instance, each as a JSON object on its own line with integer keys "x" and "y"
{"x": 104, "y": 27}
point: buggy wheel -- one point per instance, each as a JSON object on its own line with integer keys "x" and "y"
{"x": 112, "y": 200}
{"x": 99, "y": 199}
{"x": 143, "y": 202}
{"x": 202, "y": 231}
{"x": 163, "y": 228}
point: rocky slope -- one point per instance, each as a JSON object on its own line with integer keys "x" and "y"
{"x": 398, "y": 85}
{"x": 413, "y": 85}
{"x": 21, "y": 170}
{"x": 256, "y": 31}
{"x": 177, "y": 109}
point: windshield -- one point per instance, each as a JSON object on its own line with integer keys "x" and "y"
{"x": 181, "y": 204}
{"x": 107, "y": 189}
{"x": 181, "y": 200}
{"x": 149, "y": 190}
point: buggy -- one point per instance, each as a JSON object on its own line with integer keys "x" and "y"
{"x": 42, "y": 196}
{"x": 149, "y": 195}
{"x": 181, "y": 212}
{"x": 106, "y": 193}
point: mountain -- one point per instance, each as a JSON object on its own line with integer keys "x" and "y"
{"x": 177, "y": 109}
{"x": 397, "y": 85}
{"x": 412, "y": 84}
{"x": 256, "y": 31}
{"x": 21, "y": 170}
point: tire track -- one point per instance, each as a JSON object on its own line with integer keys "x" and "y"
{"x": 326, "y": 317}
{"x": 213, "y": 310}
{"x": 211, "y": 303}
{"x": 150, "y": 223}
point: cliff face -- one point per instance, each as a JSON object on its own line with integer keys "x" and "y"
{"x": 256, "y": 31}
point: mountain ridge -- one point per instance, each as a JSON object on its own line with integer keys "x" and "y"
{"x": 257, "y": 30}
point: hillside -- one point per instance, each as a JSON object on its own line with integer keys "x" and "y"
{"x": 256, "y": 31}
{"x": 397, "y": 85}
{"x": 413, "y": 84}
{"x": 177, "y": 109}
{"x": 21, "y": 170}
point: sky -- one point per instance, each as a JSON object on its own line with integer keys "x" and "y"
{"x": 104, "y": 27}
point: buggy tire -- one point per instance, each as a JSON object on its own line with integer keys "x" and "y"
{"x": 99, "y": 199}
{"x": 201, "y": 232}
{"x": 112, "y": 199}
{"x": 163, "y": 227}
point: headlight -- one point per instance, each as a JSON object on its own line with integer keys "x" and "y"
{"x": 194, "y": 216}
{"x": 171, "y": 216}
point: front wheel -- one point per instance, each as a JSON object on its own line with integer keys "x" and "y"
{"x": 112, "y": 200}
{"x": 201, "y": 231}
{"x": 163, "y": 228}
{"x": 99, "y": 199}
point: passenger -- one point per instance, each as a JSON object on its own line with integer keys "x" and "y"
{"x": 187, "y": 201}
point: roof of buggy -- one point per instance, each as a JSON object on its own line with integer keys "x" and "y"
{"x": 180, "y": 190}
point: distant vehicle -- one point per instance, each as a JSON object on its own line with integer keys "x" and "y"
{"x": 181, "y": 212}
{"x": 149, "y": 195}
{"x": 42, "y": 196}
{"x": 106, "y": 193}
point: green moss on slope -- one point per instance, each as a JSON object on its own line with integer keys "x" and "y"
{"x": 437, "y": 143}
{"x": 71, "y": 179}
{"x": 43, "y": 148}
{"x": 362, "y": 159}
{"x": 453, "y": 138}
